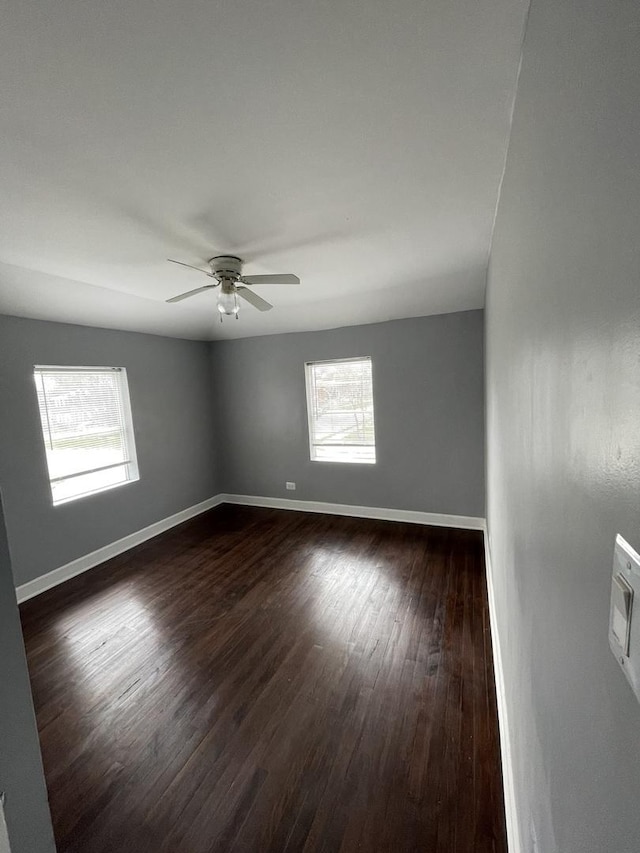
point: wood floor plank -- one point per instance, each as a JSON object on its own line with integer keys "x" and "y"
{"x": 264, "y": 681}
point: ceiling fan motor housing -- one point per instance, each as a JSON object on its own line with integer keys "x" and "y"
{"x": 226, "y": 266}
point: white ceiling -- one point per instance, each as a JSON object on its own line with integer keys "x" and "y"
{"x": 357, "y": 143}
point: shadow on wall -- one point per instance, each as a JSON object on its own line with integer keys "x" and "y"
{"x": 21, "y": 772}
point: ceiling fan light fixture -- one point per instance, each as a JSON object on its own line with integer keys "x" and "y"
{"x": 228, "y": 303}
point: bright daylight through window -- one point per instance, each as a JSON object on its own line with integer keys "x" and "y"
{"x": 87, "y": 429}
{"x": 340, "y": 409}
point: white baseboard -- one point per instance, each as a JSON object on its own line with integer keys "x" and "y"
{"x": 508, "y": 781}
{"x": 89, "y": 561}
{"x": 465, "y": 522}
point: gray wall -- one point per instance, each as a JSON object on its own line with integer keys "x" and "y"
{"x": 21, "y": 773}
{"x": 563, "y": 402}
{"x": 170, "y": 388}
{"x": 429, "y": 415}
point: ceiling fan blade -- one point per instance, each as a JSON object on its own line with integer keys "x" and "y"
{"x": 257, "y": 301}
{"x": 285, "y": 278}
{"x": 189, "y": 266}
{"x": 191, "y": 293}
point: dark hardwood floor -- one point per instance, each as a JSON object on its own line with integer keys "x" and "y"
{"x": 261, "y": 680}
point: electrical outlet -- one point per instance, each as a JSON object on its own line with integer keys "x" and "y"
{"x": 291, "y": 487}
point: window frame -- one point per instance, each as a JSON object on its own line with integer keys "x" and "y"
{"x": 308, "y": 365}
{"x": 131, "y": 463}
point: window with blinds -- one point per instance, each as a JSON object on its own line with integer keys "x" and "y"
{"x": 340, "y": 410}
{"x": 86, "y": 425}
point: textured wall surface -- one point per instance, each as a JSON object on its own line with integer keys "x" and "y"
{"x": 563, "y": 404}
{"x": 21, "y": 773}
{"x": 170, "y": 390}
{"x": 429, "y": 415}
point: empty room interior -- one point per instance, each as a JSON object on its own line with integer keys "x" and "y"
{"x": 320, "y": 420}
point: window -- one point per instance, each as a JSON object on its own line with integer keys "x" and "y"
{"x": 87, "y": 430}
{"x": 340, "y": 409}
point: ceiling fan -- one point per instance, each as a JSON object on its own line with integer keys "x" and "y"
{"x": 226, "y": 272}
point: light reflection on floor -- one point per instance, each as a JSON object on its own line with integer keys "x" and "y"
{"x": 329, "y": 585}
{"x": 126, "y": 629}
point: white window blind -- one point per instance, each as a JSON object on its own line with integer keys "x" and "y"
{"x": 340, "y": 410}
{"x": 86, "y": 425}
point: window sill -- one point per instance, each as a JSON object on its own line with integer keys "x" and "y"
{"x": 346, "y": 461}
{"x": 99, "y": 491}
